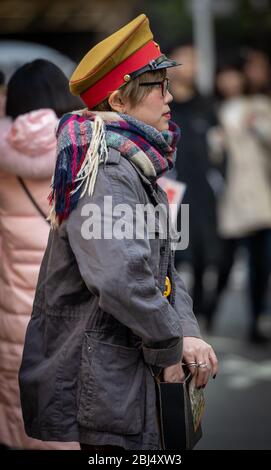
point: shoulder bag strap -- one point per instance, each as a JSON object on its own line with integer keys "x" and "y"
{"x": 35, "y": 204}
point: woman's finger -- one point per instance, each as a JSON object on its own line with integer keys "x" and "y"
{"x": 191, "y": 366}
{"x": 174, "y": 374}
{"x": 214, "y": 362}
{"x": 203, "y": 372}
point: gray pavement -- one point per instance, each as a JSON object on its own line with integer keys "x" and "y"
{"x": 238, "y": 401}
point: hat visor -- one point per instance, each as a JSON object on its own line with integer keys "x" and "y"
{"x": 166, "y": 63}
{"x": 161, "y": 62}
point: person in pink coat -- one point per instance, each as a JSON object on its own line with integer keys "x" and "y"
{"x": 2, "y": 94}
{"x": 37, "y": 95}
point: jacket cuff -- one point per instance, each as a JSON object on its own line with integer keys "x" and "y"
{"x": 191, "y": 329}
{"x": 164, "y": 357}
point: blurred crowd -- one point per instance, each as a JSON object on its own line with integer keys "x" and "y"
{"x": 224, "y": 158}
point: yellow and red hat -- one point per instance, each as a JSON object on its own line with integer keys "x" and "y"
{"x": 119, "y": 58}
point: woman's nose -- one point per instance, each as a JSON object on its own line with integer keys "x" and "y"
{"x": 168, "y": 97}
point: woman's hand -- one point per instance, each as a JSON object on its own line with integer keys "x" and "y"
{"x": 200, "y": 358}
{"x": 173, "y": 373}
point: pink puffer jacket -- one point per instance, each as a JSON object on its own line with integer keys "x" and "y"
{"x": 28, "y": 150}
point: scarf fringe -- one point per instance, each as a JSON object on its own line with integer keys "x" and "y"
{"x": 97, "y": 153}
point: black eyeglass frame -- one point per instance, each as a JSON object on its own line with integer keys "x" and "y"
{"x": 164, "y": 84}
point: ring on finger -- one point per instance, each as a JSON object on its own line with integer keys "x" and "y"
{"x": 192, "y": 364}
{"x": 202, "y": 365}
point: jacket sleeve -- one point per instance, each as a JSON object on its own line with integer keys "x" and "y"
{"x": 118, "y": 270}
{"x": 184, "y": 308}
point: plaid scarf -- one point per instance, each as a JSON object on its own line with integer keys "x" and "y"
{"x": 83, "y": 140}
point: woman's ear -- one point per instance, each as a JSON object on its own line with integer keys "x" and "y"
{"x": 116, "y": 103}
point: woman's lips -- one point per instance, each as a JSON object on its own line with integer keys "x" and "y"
{"x": 167, "y": 115}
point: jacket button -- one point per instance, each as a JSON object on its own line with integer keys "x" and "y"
{"x": 167, "y": 287}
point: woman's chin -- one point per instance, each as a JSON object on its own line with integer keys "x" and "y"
{"x": 163, "y": 127}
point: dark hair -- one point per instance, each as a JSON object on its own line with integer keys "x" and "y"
{"x": 40, "y": 84}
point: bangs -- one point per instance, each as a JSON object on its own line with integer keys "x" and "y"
{"x": 133, "y": 92}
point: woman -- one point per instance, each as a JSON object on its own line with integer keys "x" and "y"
{"x": 37, "y": 95}
{"x": 109, "y": 306}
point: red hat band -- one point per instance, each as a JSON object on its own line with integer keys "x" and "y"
{"x": 115, "y": 78}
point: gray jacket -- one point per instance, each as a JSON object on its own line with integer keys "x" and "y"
{"x": 99, "y": 321}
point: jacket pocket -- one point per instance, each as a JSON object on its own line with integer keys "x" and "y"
{"x": 110, "y": 387}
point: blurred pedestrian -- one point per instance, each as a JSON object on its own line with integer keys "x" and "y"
{"x": 196, "y": 116}
{"x": 109, "y": 306}
{"x": 244, "y": 214}
{"x": 257, "y": 70}
{"x": 2, "y": 94}
{"x": 37, "y": 95}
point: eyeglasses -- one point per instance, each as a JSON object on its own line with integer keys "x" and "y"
{"x": 164, "y": 85}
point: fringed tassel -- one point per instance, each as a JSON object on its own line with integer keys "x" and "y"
{"x": 96, "y": 154}
{"x": 62, "y": 198}
{"x": 52, "y": 218}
